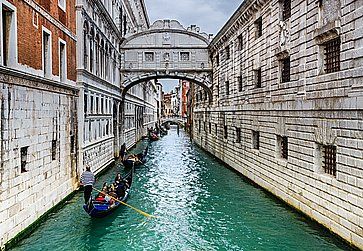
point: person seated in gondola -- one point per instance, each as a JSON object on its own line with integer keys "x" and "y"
{"x": 112, "y": 193}
{"x": 101, "y": 196}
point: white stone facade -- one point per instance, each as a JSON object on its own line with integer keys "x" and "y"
{"x": 276, "y": 130}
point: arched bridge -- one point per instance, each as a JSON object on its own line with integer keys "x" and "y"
{"x": 166, "y": 50}
{"x": 173, "y": 120}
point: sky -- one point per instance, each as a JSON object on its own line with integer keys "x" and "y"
{"x": 209, "y": 15}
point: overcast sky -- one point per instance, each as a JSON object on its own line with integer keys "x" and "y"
{"x": 209, "y": 15}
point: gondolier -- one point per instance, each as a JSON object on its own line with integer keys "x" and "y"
{"x": 87, "y": 181}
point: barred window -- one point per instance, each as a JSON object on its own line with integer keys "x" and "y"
{"x": 258, "y": 78}
{"x": 184, "y": 56}
{"x": 285, "y": 70}
{"x": 286, "y": 9}
{"x": 54, "y": 149}
{"x": 256, "y": 140}
{"x": 238, "y": 135}
{"x": 149, "y": 56}
{"x": 283, "y": 147}
{"x": 258, "y": 27}
{"x": 329, "y": 153}
{"x": 216, "y": 129}
{"x": 332, "y": 55}
{"x": 210, "y": 127}
{"x": 217, "y": 59}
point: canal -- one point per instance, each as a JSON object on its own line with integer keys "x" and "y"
{"x": 199, "y": 203}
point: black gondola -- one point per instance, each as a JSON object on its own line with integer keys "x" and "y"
{"x": 100, "y": 209}
{"x": 129, "y": 161}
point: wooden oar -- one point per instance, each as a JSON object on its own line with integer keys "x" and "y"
{"x": 123, "y": 203}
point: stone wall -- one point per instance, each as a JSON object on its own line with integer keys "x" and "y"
{"x": 313, "y": 111}
{"x": 35, "y": 116}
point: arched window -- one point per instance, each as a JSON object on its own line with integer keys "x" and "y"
{"x": 91, "y": 50}
{"x": 85, "y": 45}
{"x": 97, "y": 51}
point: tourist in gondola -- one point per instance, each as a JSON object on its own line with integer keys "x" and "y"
{"x": 101, "y": 196}
{"x": 87, "y": 181}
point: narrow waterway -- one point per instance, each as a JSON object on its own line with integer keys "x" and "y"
{"x": 200, "y": 204}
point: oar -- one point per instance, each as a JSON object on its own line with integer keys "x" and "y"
{"x": 134, "y": 208}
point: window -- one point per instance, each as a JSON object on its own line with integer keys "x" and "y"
{"x": 227, "y": 87}
{"x": 91, "y": 54}
{"x": 217, "y": 59}
{"x": 210, "y": 127}
{"x": 85, "y": 103}
{"x": 258, "y": 78}
{"x": 97, "y": 105}
{"x": 332, "y": 55}
{"x": 8, "y": 26}
{"x": 282, "y": 147}
{"x": 240, "y": 87}
{"x": 200, "y": 124}
{"x": 228, "y": 52}
{"x": 286, "y": 9}
{"x": 184, "y": 56}
{"x": 23, "y": 158}
{"x": 92, "y": 105}
{"x": 54, "y": 149}
{"x": 238, "y": 135}
{"x": 327, "y": 158}
{"x": 240, "y": 42}
{"x": 62, "y": 61}
{"x": 256, "y": 140}
{"x": 285, "y": 70}
{"x": 258, "y": 27}
{"x": 225, "y": 132}
{"x": 46, "y": 54}
{"x": 62, "y": 4}
{"x": 149, "y": 56}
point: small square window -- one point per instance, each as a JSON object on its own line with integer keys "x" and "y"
{"x": 258, "y": 27}
{"x": 184, "y": 56}
{"x": 282, "y": 146}
{"x": 258, "y": 78}
{"x": 238, "y": 135}
{"x": 256, "y": 140}
{"x": 285, "y": 70}
{"x": 332, "y": 55}
{"x": 149, "y": 56}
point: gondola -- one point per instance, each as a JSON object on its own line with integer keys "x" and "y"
{"x": 129, "y": 162}
{"x": 100, "y": 209}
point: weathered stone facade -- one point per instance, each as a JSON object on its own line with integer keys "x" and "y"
{"x": 38, "y": 100}
{"x": 287, "y": 107}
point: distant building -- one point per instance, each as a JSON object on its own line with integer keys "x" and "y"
{"x": 184, "y": 87}
{"x": 168, "y": 111}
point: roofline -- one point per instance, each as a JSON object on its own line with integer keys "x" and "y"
{"x": 244, "y": 5}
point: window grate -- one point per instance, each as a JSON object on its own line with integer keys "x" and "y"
{"x": 240, "y": 42}
{"x": 23, "y": 158}
{"x": 225, "y": 132}
{"x": 283, "y": 146}
{"x": 227, "y": 87}
{"x": 54, "y": 149}
{"x": 286, "y": 9}
{"x": 258, "y": 26}
{"x": 332, "y": 56}
{"x": 329, "y": 160}
{"x": 285, "y": 74}
{"x": 228, "y": 52}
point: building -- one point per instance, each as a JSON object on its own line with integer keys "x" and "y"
{"x": 168, "y": 111}
{"x": 184, "y": 87}
{"x": 287, "y": 108}
{"x": 107, "y": 119}
{"x": 38, "y": 110}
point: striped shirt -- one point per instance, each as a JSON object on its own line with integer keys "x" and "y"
{"x": 87, "y": 178}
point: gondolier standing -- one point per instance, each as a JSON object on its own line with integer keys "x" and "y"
{"x": 87, "y": 181}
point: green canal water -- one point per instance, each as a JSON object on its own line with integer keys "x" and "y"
{"x": 199, "y": 203}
